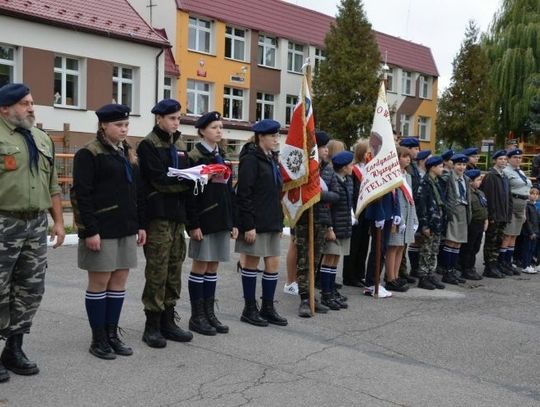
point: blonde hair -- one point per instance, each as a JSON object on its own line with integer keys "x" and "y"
{"x": 360, "y": 151}
{"x": 334, "y": 147}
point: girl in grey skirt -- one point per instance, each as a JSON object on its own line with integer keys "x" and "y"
{"x": 110, "y": 225}
{"x": 210, "y": 226}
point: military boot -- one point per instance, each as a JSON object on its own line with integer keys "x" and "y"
{"x": 211, "y": 316}
{"x": 152, "y": 333}
{"x": 198, "y": 322}
{"x": 328, "y": 300}
{"x": 471, "y": 274}
{"x": 449, "y": 277}
{"x": 269, "y": 313}
{"x": 426, "y": 283}
{"x": 304, "y": 311}
{"x": 100, "y": 347}
{"x": 4, "y": 374}
{"x": 491, "y": 271}
{"x": 251, "y": 315}
{"x": 14, "y": 358}
{"x": 118, "y": 346}
{"x": 170, "y": 330}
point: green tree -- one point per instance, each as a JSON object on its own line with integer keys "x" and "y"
{"x": 464, "y": 115}
{"x": 346, "y": 85}
{"x": 513, "y": 46}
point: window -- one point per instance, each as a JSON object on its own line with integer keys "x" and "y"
{"x": 267, "y": 51}
{"x": 295, "y": 57}
{"x": 198, "y": 97}
{"x": 405, "y": 125}
{"x": 67, "y": 75}
{"x": 233, "y": 103}
{"x": 167, "y": 87}
{"x": 265, "y": 106}
{"x": 235, "y": 43}
{"x": 200, "y": 32}
{"x": 290, "y": 103}
{"x": 7, "y": 65}
{"x": 319, "y": 57}
{"x": 123, "y": 86}
{"x": 424, "y": 128}
{"x": 406, "y": 84}
{"x": 425, "y": 87}
{"x": 390, "y": 84}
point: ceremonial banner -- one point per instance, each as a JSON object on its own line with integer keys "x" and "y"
{"x": 382, "y": 173}
{"x": 299, "y": 159}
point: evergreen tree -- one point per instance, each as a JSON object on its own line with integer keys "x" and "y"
{"x": 346, "y": 85}
{"x": 464, "y": 116}
{"x": 513, "y": 46}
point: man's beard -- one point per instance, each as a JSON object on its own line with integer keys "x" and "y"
{"x": 26, "y": 123}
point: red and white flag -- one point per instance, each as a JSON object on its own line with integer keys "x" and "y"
{"x": 299, "y": 159}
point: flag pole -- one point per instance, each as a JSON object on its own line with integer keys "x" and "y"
{"x": 378, "y": 238}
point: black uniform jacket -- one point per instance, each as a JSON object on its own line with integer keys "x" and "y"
{"x": 499, "y": 199}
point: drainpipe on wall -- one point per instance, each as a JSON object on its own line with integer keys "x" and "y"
{"x": 157, "y": 75}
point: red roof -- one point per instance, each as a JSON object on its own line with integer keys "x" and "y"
{"x": 303, "y": 25}
{"x": 171, "y": 68}
{"x": 111, "y": 18}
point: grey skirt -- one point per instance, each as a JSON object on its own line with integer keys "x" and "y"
{"x": 518, "y": 217}
{"x": 265, "y": 245}
{"x": 213, "y": 247}
{"x": 456, "y": 229}
{"x": 338, "y": 247}
{"x": 115, "y": 254}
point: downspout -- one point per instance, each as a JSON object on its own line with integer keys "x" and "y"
{"x": 157, "y": 75}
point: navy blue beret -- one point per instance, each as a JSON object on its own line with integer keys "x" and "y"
{"x": 423, "y": 154}
{"x": 12, "y": 93}
{"x": 472, "y": 174}
{"x": 470, "y": 151}
{"x": 460, "y": 158}
{"x": 433, "y": 161}
{"x": 322, "y": 138}
{"x": 447, "y": 155}
{"x": 342, "y": 159}
{"x": 497, "y": 154}
{"x": 409, "y": 142}
{"x": 266, "y": 126}
{"x": 206, "y": 119}
{"x": 515, "y": 151}
{"x": 112, "y": 113}
{"x": 166, "y": 106}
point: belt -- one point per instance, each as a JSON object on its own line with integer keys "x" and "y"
{"x": 523, "y": 197}
{"x": 21, "y": 215}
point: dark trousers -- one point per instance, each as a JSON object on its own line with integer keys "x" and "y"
{"x": 527, "y": 247}
{"x": 469, "y": 250}
{"x": 354, "y": 265}
{"x": 385, "y": 235}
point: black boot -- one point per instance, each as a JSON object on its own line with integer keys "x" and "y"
{"x": 152, "y": 333}
{"x": 491, "y": 271}
{"x": 328, "y": 300}
{"x": 198, "y": 322}
{"x": 251, "y": 315}
{"x": 341, "y": 300}
{"x": 4, "y": 374}
{"x": 170, "y": 330}
{"x": 425, "y": 283}
{"x": 304, "y": 311}
{"x": 449, "y": 277}
{"x": 211, "y": 316}
{"x": 14, "y": 358}
{"x": 269, "y": 313}
{"x": 471, "y": 274}
{"x": 100, "y": 345}
{"x": 119, "y": 347}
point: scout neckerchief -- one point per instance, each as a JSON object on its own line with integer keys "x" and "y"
{"x": 33, "y": 153}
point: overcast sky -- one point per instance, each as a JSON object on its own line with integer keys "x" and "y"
{"x": 437, "y": 24}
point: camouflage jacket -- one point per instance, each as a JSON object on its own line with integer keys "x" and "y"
{"x": 430, "y": 205}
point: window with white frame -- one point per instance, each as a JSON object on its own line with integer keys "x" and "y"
{"x": 295, "y": 57}
{"x": 425, "y": 87}
{"x": 390, "y": 82}
{"x": 265, "y": 106}
{"x": 405, "y": 125}
{"x": 235, "y": 43}
{"x": 7, "y": 65}
{"x": 320, "y": 56}
{"x": 200, "y": 34}
{"x": 167, "y": 87}
{"x": 123, "y": 82}
{"x": 424, "y": 128}
{"x": 290, "y": 103}
{"x": 406, "y": 84}
{"x": 233, "y": 103}
{"x": 267, "y": 51}
{"x": 67, "y": 81}
{"x": 198, "y": 94}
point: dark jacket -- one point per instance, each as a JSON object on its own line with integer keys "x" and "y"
{"x": 478, "y": 206}
{"x": 384, "y": 208}
{"x": 210, "y": 210}
{"x": 430, "y": 206}
{"x": 341, "y": 209}
{"x": 165, "y": 196}
{"x": 258, "y": 192}
{"x": 416, "y": 178}
{"x": 104, "y": 195}
{"x": 499, "y": 200}
{"x": 531, "y": 225}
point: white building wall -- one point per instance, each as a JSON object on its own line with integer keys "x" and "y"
{"x": 290, "y": 82}
{"x": 84, "y": 45}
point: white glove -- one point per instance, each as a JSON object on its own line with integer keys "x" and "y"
{"x": 379, "y": 224}
{"x": 353, "y": 218}
{"x": 397, "y": 220}
{"x": 415, "y": 228}
{"x": 323, "y": 185}
{"x": 402, "y": 228}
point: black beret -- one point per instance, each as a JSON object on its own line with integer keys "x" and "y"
{"x": 433, "y": 161}
{"x": 342, "y": 159}
{"x": 497, "y": 154}
{"x": 472, "y": 174}
{"x": 206, "y": 119}
{"x": 422, "y": 155}
{"x": 470, "y": 151}
{"x": 409, "y": 142}
{"x": 266, "y": 126}
{"x": 447, "y": 155}
{"x": 460, "y": 158}
{"x": 12, "y": 93}
{"x": 322, "y": 138}
{"x": 515, "y": 151}
{"x": 166, "y": 106}
{"x": 112, "y": 113}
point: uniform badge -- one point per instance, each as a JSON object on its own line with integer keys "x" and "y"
{"x": 10, "y": 163}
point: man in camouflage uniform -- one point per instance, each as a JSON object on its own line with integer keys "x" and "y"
{"x": 28, "y": 188}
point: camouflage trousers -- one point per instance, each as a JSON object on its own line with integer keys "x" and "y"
{"x": 427, "y": 256}
{"x": 302, "y": 257}
{"x": 23, "y": 261}
{"x": 165, "y": 252}
{"x": 493, "y": 241}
